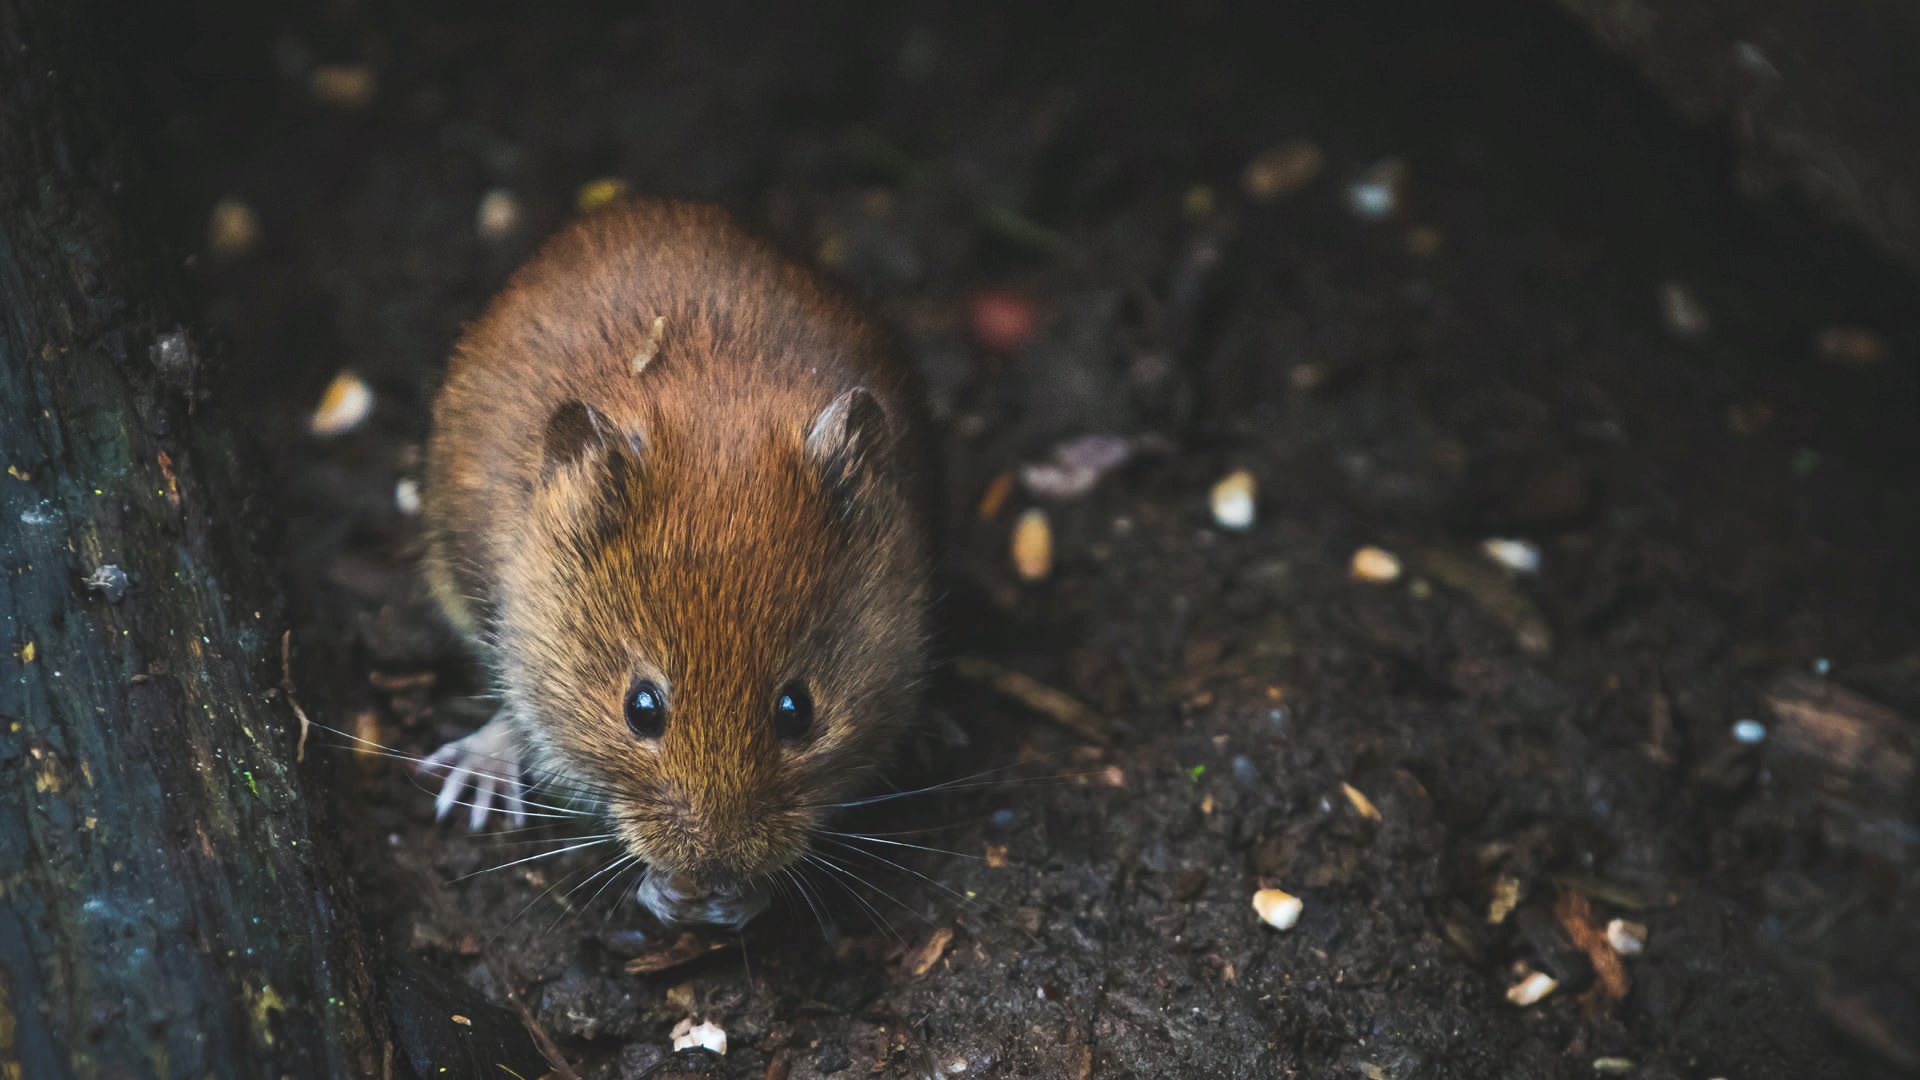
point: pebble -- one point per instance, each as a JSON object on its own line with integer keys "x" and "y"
{"x": 1749, "y": 731}
{"x": 406, "y": 496}
{"x": 1280, "y": 910}
{"x": 1531, "y": 989}
{"x": 345, "y": 86}
{"x": 1282, "y": 170}
{"x": 233, "y": 229}
{"x": 1627, "y": 938}
{"x": 1233, "y": 500}
{"x": 109, "y": 581}
{"x": 1033, "y": 545}
{"x": 498, "y": 216}
{"x": 705, "y": 1035}
{"x": 1076, "y": 466}
{"x": 1518, "y": 556}
{"x": 1850, "y": 346}
{"x": 1376, "y": 566}
{"x": 1685, "y": 316}
{"x": 347, "y": 402}
{"x": 1377, "y": 195}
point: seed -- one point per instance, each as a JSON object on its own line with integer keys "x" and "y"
{"x": 233, "y": 230}
{"x": 346, "y": 403}
{"x": 1363, "y": 805}
{"x": 1850, "y": 346}
{"x": 346, "y": 86}
{"x": 598, "y": 194}
{"x": 1749, "y": 731}
{"x": 406, "y": 496}
{"x": 1376, "y": 566}
{"x": 706, "y": 1034}
{"x": 649, "y": 347}
{"x": 1278, "y": 909}
{"x": 1518, "y": 556}
{"x": 1531, "y": 989}
{"x": 1506, "y": 897}
{"x": 1233, "y": 500}
{"x": 1685, "y": 316}
{"x": 1033, "y": 545}
{"x": 1377, "y": 195}
{"x": 462, "y": 1021}
{"x": 498, "y": 216}
{"x": 1627, "y": 938}
{"x": 1282, "y": 170}
{"x": 1002, "y": 320}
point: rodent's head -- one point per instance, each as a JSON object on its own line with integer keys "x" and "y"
{"x": 714, "y": 635}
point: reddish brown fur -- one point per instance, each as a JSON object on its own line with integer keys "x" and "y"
{"x": 698, "y": 543}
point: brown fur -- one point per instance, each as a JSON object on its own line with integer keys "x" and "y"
{"x": 684, "y": 528}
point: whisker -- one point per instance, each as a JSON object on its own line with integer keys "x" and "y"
{"x": 377, "y": 750}
{"x": 943, "y": 785}
{"x": 877, "y": 839}
{"x": 543, "y": 894}
{"x": 531, "y": 858}
{"x": 368, "y": 746}
{"x": 584, "y": 882}
{"x": 843, "y": 868}
{"x": 800, "y": 887}
{"x": 851, "y": 891}
{"x": 962, "y": 784}
{"x": 943, "y": 887}
{"x": 638, "y": 866}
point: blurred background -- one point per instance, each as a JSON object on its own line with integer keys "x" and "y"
{"x": 1249, "y": 327}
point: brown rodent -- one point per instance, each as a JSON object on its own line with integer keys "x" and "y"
{"x": 677, "y": 501}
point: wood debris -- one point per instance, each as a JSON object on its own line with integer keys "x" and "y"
{"x": 680, "y": 952}
{"x": 922, "y": 959}
{"x": 1056, "y": 705}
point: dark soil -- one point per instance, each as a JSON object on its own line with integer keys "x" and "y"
{"x": 1491, "y": 362}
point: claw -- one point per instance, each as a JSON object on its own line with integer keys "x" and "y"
{"x": 484, "y": 767}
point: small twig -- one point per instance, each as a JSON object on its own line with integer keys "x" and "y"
{"x": 286, "y": 687}
{"x": 1056, "y": 705}
{"x": 548, "y": 1048}
{"x": 434, "y": 893}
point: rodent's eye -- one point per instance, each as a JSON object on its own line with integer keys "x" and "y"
{"x": 646, "y": 709}
{"x": 793, "y": 711}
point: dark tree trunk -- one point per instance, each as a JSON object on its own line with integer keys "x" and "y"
{"x": 165, "y": 906}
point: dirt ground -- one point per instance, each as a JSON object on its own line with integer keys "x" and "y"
{"x": 1716, "y": 506}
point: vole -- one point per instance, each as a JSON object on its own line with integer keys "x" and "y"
{"x": 677, "y": 501}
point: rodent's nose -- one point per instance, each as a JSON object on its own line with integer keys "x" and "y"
{"x": 680, "y": 898}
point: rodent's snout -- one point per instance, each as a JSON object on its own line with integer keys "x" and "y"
{"x": 678, "y": 898}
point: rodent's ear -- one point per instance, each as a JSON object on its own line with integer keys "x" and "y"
{"x": 850, "y": 440}
{"x": 575, "y": 431}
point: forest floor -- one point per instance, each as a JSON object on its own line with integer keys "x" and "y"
{"x": 1562, "y": 325}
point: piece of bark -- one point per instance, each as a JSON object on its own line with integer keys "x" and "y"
{"x": 169, "y": 908}
{"x": 1845, "y": 745}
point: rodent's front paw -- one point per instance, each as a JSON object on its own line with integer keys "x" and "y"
{"x": 485, "y": 767}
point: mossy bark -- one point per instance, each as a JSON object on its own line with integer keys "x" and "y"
{"x": 165, "y": 906}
